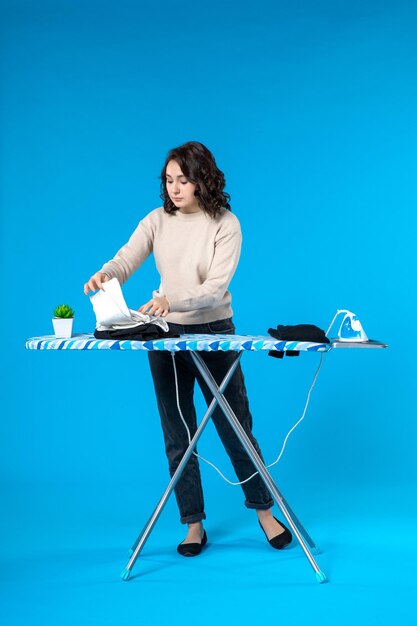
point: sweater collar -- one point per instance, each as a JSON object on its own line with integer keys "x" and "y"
{"x": 189, "y": 217}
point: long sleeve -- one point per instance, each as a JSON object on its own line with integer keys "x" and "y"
{"x": 131, "y": 256}
{"x": 210, "y": 293}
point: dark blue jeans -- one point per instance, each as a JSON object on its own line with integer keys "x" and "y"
{"x": 188, "y": 490}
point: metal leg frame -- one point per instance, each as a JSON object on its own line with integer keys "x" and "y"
{"x": 146, "y": 531}
{"x": 253, "y": 455}
{"x": 257, "y": 461}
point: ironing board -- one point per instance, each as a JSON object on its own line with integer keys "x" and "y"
{"x": 210, "y": 342}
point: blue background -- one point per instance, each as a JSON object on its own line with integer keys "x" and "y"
{"x": 310, "y": 111}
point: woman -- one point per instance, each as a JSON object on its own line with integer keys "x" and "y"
{"x": 196, "y": 241}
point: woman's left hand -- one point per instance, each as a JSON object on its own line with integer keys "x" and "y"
{"x": 157, "y": 306}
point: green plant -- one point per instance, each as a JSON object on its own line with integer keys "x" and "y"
{"x": 64, "y": 311}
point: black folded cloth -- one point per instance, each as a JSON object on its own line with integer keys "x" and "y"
{"x": 279, "y": 354}
{"x": 144, "y": 332}
{"x": 299, "y": 332}
{"x": 296, "y": 332}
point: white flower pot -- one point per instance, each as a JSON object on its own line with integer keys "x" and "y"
{"x": 63, "y": 326}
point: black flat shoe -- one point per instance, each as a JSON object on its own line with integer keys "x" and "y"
{"x": 192, "y": 549}
{"x": 279, "y": 541}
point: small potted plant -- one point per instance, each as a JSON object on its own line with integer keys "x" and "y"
{"x": 63, "y": 318}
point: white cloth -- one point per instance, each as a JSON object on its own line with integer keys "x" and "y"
{"x": 112, "y": 311}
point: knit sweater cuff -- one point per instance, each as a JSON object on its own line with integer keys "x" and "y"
{"x": 112, "y": 270}
{"x": 179, "y": 302}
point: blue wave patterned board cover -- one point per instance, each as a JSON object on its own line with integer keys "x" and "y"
{"x": 252, "y": 343}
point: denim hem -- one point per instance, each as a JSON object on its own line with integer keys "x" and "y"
{"x": 258, "y": 505}
{"x": 191, "y": 519}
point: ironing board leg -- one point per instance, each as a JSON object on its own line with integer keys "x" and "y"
{"x": 257, "y": 461}
{"x": 300, "y": 527}
{"x": 146, "y": 531}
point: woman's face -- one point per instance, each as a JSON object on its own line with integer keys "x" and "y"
{"x": 180, "y": 189}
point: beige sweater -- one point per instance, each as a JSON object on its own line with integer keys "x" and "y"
{"x": 196, "y": 256}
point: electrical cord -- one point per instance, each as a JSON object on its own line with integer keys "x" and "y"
{"x": 335, "y": 315}
{"x": 285, "y": 440}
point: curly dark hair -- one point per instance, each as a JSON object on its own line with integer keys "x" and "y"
{"x": 198, "y": 164}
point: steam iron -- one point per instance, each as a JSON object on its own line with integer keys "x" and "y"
{"x": 350, "y": 329}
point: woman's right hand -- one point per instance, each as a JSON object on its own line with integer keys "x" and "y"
{"x": 95, "y": 282}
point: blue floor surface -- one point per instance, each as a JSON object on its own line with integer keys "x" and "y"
{"x": 62, "y": 555}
